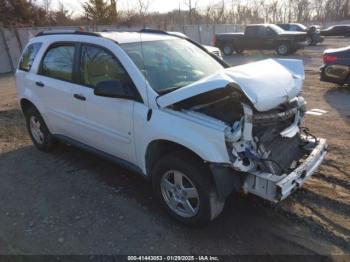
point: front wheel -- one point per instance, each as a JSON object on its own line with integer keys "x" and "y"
{"x": 283, "y": 49}
{"x": 184, "y": 186}
{"x": 227, "y": 50}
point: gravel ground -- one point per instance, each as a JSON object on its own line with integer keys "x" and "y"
{"x": 71, "y": 202}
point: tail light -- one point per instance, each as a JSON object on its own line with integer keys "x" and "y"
{"x": 213, "y": 41}
{"x": 329, "y": 58}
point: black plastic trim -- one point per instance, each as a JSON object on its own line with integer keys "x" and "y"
{"x": 226, "y": 180}
{"x": 100, "y": 153}
{"x": 76, "y": 32}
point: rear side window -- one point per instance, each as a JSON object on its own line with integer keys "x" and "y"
{"x": 284, "y": 27}
{"x": 58, "y": 62}
{"x": 98, "y": 65}
{"x": 28, "y": 56}
{"x": 262, "y": 31}
{"x": 251, "y": 30}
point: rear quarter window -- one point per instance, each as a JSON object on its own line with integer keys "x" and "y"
{"x": 28, "y": 56}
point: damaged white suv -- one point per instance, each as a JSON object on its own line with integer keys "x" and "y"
{"x": 163, "y": 106}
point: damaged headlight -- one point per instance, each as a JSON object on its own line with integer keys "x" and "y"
{"x": 234, "y": 133}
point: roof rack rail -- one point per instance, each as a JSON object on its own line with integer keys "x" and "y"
{"x": 154, "y": 31}
{"x": 157, "y": 31}
{"x": 66, "y": 32}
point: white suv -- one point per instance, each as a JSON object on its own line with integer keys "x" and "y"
{"x": 163, "y": 106}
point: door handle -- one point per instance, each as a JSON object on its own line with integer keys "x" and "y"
{"x": 41, "y": 84}
{"x": 80, "y": 97}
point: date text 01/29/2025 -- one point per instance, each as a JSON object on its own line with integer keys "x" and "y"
{"x": 173, "y": 258}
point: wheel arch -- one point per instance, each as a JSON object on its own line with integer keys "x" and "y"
{"x": 221, "y": 176}
{"x": 26, "y": 104}
{"x": 160, "y": 147}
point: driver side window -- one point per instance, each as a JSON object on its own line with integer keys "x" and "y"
{"x": 99, "y": 65}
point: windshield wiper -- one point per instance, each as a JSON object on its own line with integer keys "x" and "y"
{"x": 167, "y": 90}
{"x": 173, "y": 88}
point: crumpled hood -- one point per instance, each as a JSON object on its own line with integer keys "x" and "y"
{"x": 267, "y": 83}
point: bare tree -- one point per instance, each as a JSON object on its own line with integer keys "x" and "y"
{"x": 47, "y": 5}
{"x": 62, "y": 16}
{"x": 216, "y": 13}
{"x": 192, "y": 7}
{"x": 143, "y": 6}
{"x": 47, "y": 8}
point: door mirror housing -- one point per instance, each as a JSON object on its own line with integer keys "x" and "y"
{"x": 113, "y": 88}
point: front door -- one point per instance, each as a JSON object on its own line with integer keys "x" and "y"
{"x": 102, "y": 122}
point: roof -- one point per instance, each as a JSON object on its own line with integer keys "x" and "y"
{"x": 132, "y": 37}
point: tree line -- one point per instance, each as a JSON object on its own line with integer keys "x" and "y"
{"x": 22, "y": 13}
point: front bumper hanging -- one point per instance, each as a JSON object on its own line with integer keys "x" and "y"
{"x": 276, "y": 188}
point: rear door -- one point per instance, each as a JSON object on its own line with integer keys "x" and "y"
{"x": 250, "y": 37}
{"x": 264, "y": 37}
{"x": 107, "y": 123}
{"x": 54, "y": 83}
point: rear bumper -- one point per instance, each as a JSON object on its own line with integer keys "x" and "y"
{"x": 276, "y": 188}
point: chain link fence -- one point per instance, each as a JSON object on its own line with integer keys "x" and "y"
{"x": 13, "y": 40}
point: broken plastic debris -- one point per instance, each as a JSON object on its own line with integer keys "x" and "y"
{"x": 316, "y": 112}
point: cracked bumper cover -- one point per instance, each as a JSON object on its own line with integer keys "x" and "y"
{"x": 276, "y": 188}
{"x": 266, "y": 185}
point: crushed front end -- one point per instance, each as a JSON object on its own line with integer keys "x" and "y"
{"x": 271, "y": 150}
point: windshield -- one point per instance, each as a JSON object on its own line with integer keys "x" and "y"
{"x": 303, "y": 27}
{"x": 171, "y": 64}
{"x": 277, "y": 29}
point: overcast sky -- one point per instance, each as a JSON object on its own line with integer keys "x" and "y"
{"x": 155, "y": 5}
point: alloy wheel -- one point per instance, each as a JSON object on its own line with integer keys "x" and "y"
{"x": 180, "y": 194}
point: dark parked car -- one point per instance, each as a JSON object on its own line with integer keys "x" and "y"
{"x": 313, "y": 32}
{"x": 261, "y": 37}
{"x": 337, "y": 30}
{"x": 336, "y": 67}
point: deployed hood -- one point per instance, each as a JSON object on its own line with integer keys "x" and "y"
{"x": 267, "y": 83}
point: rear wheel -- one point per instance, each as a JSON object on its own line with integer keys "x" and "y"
{"x": 184, "y": 186}
{"x": 227, "y": 50}
{"x": 38, "y": 131}
{"x": 283, "y": 49}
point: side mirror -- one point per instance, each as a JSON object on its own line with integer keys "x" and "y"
{"x": 113, "y": 88}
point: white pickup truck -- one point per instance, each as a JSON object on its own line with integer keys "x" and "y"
{"x": 165, "y": 107}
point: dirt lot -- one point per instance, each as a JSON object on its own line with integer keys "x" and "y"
{"x": 70, "y": 202}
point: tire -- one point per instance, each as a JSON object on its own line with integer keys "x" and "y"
{"x": 227, "y": 50}
{"x": 178, "y": 172}
{"x": 239, "y": 51}
{"x": 38, "y": 131}
{"x": 283, "y": 49}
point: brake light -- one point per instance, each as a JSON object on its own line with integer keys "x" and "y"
{"x": 329, "y": 58}
{"x": 213, "y": 41}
